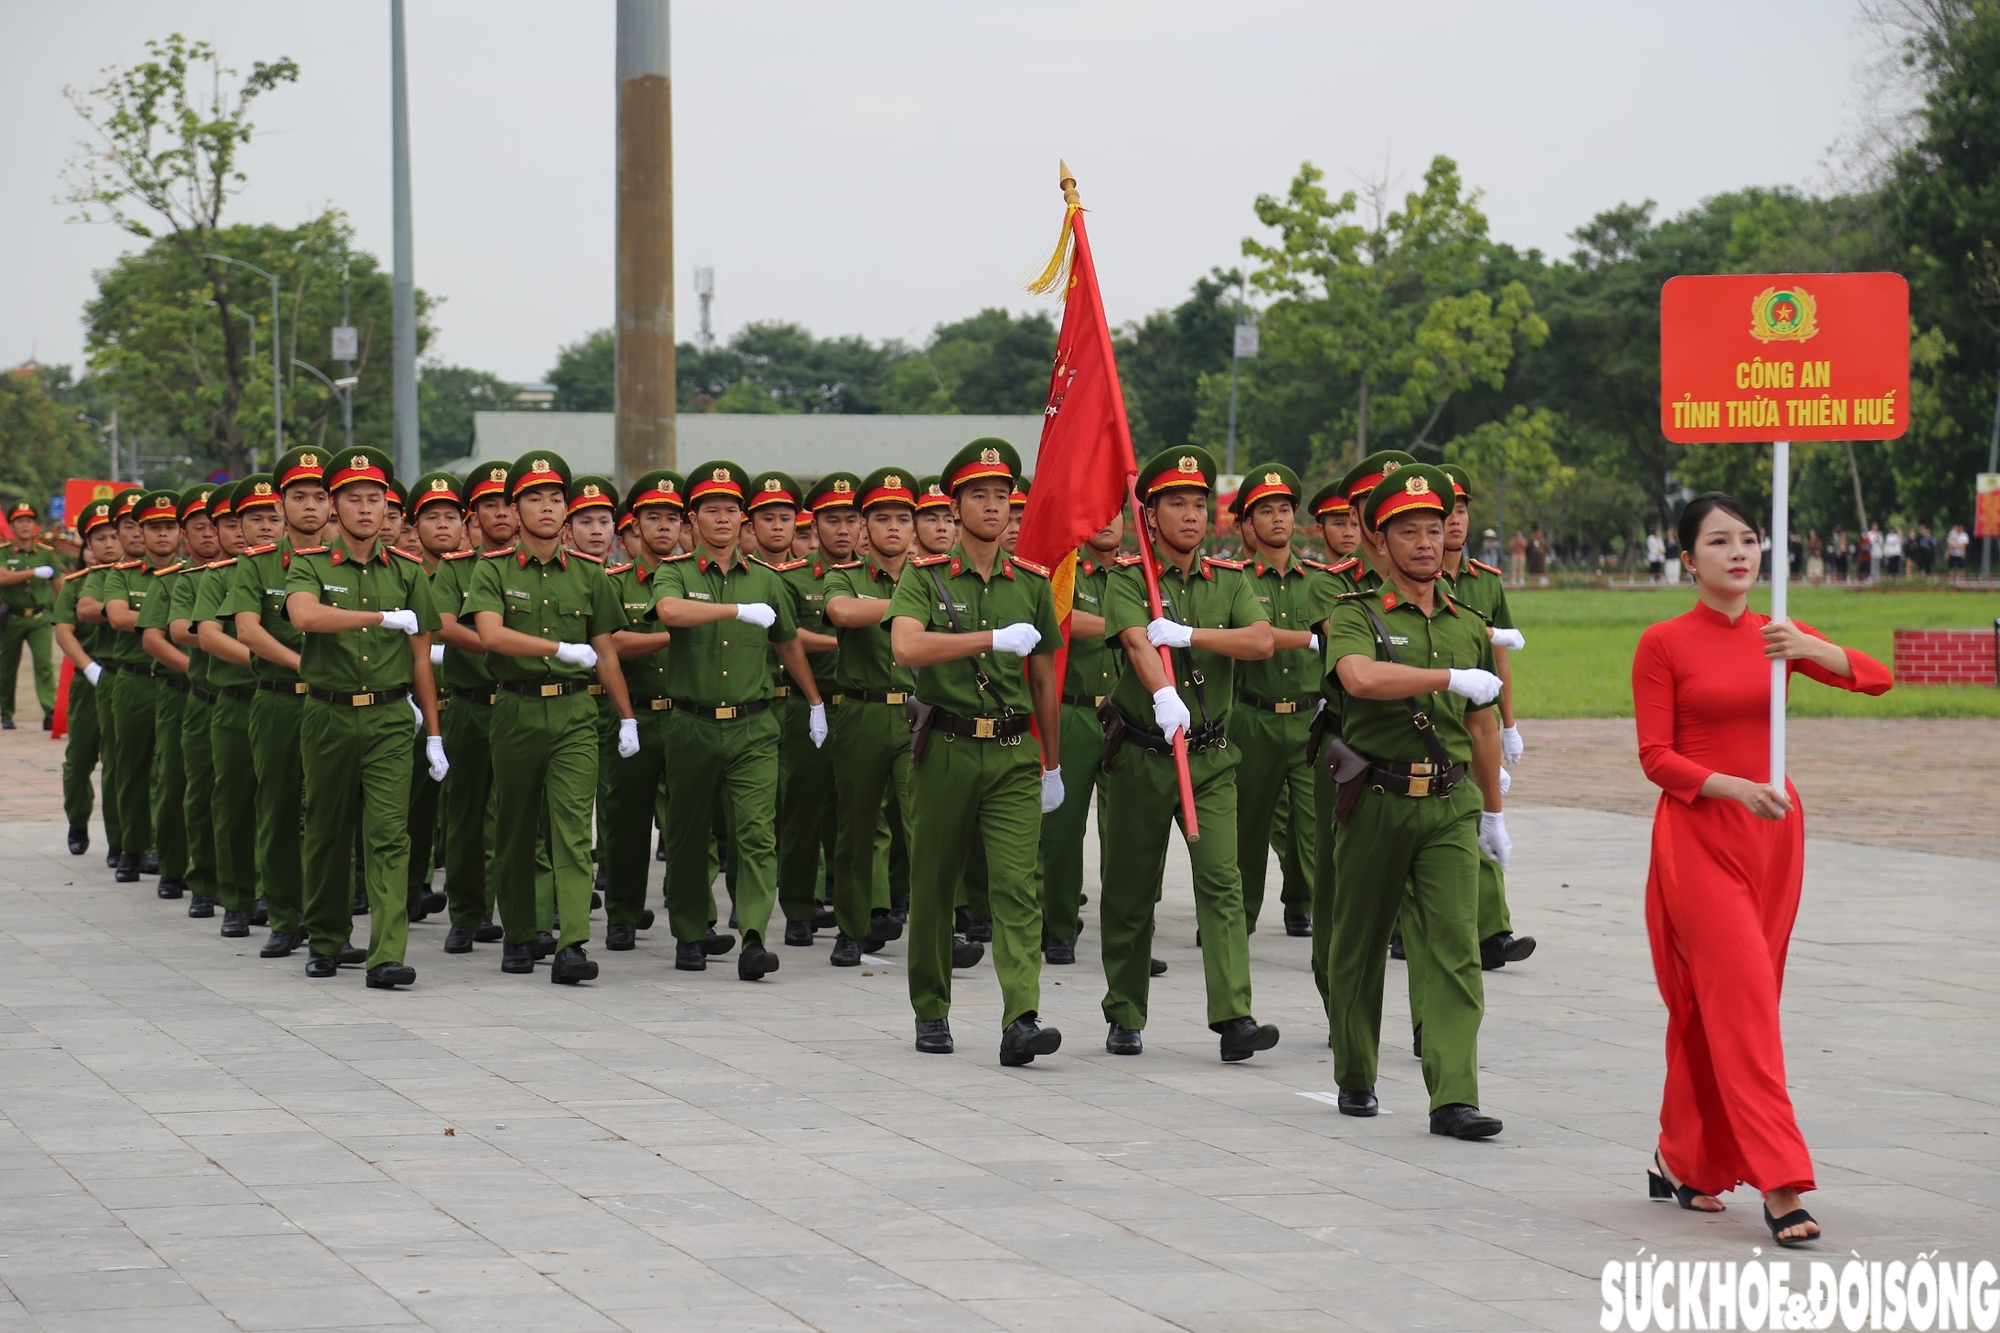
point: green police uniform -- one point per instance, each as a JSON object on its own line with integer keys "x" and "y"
{"x": 979, "y": 781}
{"x": 167, "y": 783}
{"x": 234, "y": 689}
{"x": 137, "y": 701}
{"x": 595, "y": 491}
{"x": 636, "y": 782}
{"x": 427, "y": 796}
{"x": 544, "y": 726}
{"x": 1480, "y": 587}
{"x": 1407, "y": 847}
{"x": 81, "y": 752}
{"x": 1142, "y": 787}
{"x": 1093, "y": 671}
{"x": 30, "y": 611}
{"x": 869, "y": 746}
{"x": 354, "y": 733}
{"x": 807, "y": 816}
{"x": 723, "y": 738}
{"x": 104, "y": 694}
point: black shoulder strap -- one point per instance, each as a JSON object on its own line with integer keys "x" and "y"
{"x": 1199, "y": 681}
{"x": 1417, "y": 715}
{"x": 979, "y": 677}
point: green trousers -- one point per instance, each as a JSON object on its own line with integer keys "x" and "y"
{"x": 971, "y": 793}
{"x": 106, "y": 692}
{"x": 1493, "y": 919}
{"x": 806, "y": 815}
{"x": 544, "y": 785}
{"x": 234, "y": 804}
{"x": 198, "y": 795}
{"x": 275, "y": 721}
{"x": 1322, "y": 889}
{"x": 1145, "y": 793}
{"x": 869, "y": 748}
{"x": 80, "y": 757}
{"x": 33, "y": 632}
{"x": 356, "y": 768}
{"x": 169, "y": 781}
{"x": 731, "y": 768}
{"x": 1417, "y": 856}
{"x": 1272, "y": 773}
{"x": 136, "y": 702}
{"x": 1061, "y": 850}
{"x": 466, "y": 724}
{"x": 626, "y": 818}
{"x": 424, "y": 797}
{"x": 607, "y": 757}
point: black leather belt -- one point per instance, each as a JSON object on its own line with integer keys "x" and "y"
{"x": 725, "y": 712}
{"x": 659, "y": 705}
{"x": 781, "y": 691}
{"x": 206, "y": 696}
{"x": 242, "y": 694}
{"x": 879, "y": 696}
{"x": 368, "y": 700}
{"x": 981, "y": 728}
{"x": 1085, "y": 700}
{"x": 1207, "y": 737}
{"x": 549, "y": 689}
{"x": 136, "y": 668}
{"x": 284, "y": 686}
{"x": 179, "y": 684}
{"x": 1414, "y": 779}
{"x": 1281, "y": 706}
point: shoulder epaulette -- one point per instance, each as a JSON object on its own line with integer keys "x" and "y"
{"x": 174, "y": 568}
{"x": 129, "y": 564}
{"x": 308, "y": 550}
{"x": 1031, "y": 567}
{"x": 1320, "y": 565}
{"x": 466, "y": 554}
{"x": 787, "y": 566}
{"x": 223, "y": 563}
{"x": 413, "y": 559}
{"x": 265, "y": 549}
{"x": 1490, "y": 569}
{"x": 847, "y": 564}
{"x": 1220, "y": 563}
{"x": 585, "y": 555}
{"x": 926, "y": 561}
{"x": 679, "y": 555}
{"x": 1127, "y": 561}
{"x": 42, "y": 545}
{"x": 92, "y": 569}
{"x": 618, "y": 569}
{"x": 488, "y": 555}
{"x": 1351, "y": 562}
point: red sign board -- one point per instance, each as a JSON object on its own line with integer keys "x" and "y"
{"x": 1791, "y": 356}
{"x": 1986, "y": 517}
{"x": 81, "y": 491}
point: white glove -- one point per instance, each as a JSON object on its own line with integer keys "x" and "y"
{"x": 418, "y": 709}
{"x": 1511, "y": 748}
{"x": 1481, "y": 687}
{"x": 1312, "y": 642}
{"x": 1506, "y": 782}
{"x": 437, "y": 654}
{"x": 628, "y": 737}
{"x": 434, "y": 752}
{"x": 1507, "y": 638}
{"x": 92, "y": 672}
{"x": 1493, "y": 839}
{"x": 576, "y": 654}
{"x": 403, "y": 619}
{"x": 1018, "y": 638}
{"x": 756, "y": 613}
{"x": 1169, "y": 713}
{"x": 1052, "y": 789}
{"x": 45, "y": 571}
{"x": 1164, "y": 633}
{"x": 816, "y": 725}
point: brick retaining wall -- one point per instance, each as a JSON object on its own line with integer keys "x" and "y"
{"x": 1944, "y": 657}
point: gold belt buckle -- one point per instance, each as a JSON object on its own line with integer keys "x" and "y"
{"x": 361, "y": 700}
{"x": 1420, "y": 786}
{"x": 595, "y": 689}
{"x": 1097, "y": 700}
{"x": 895, "y": 697}
{"x": 1287, "y": 706}
{"x": 551, "y": 691}
{"x": 781, "y": 692}
{"x": 659, "y": 705}
{"x": 726, "y": 714}
{"x": 300, "y": 687}
{"x": 985, "y": 728}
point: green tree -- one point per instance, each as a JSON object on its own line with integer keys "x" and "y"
{"x": 1395, "y": 310}
{"x": 162, "y": 161}
{"x": 1163, "y": 358}
{"x": 993, "y": 363}
{"x": 447, "y": 396}
{"x": 42, "y": 444}
{"x": 586, "y": 374}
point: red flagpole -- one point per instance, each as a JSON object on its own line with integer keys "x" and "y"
{"x": 1150, "y": 566}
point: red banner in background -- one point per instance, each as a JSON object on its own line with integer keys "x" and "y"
{"x": 1797, "y": 356}
{"x": 80, "y": 491}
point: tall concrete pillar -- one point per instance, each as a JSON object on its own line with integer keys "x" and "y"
{"x": 403, "y": 293}
{"x": 645, "y": 378}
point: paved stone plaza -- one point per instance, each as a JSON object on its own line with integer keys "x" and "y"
{"x": 193, "y": 1139}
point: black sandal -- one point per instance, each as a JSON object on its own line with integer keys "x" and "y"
{"x": 1659, "y": 1186}
{"x": 1788, "y": 1221}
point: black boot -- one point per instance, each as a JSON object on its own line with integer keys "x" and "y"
{"x": 282, "y": 944}
{"x": 235, "y": 925}
{"x": 934, "y": 1036}
{"x": 321, "y": 966}
{"x": 458, "y": 940}
{"x": 1059, "y": 953}
{"x": 79, "y": 840}
{"x": 201, "y": 906}
{"x": 1123, "y": 1041}
{"x": 518, "y": 959}
{"x": 846, "y": 952}
{"x": 1244, "y": 1037}
{"x": 489, "y": 932}
{"x": 570, "y": 966}
{"x": 1459, "y": 1121}
{"x": 965, "y": 953}
{"x": 799, "y": 934}
{"x": 149, "y": 864}
{"x": 388, "y": 976}
{"x": 260, "y": 915}
{"x": 690, "y": 956}
{"x": 1024, "y": 1039}
{"x": 755, "y": 962}
{"x": 620, "y": 938}
{"x": 545, "y": 944}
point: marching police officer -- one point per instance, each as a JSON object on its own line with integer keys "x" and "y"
{"x": 106, "y": 651}
{"x": 1212, "y": 620}
{"x": 78, "y": 642}
{"x": 546, "y": 615}
{"x": 127, "y": 589}
{"x": 1414, "y": 674}
{"x": 29, "y": 583}
{"x": 434, "y": 528}
{"x": 365, "y": 611}
{"x": 186, "y": 760}
{"x": 960, "y": 620}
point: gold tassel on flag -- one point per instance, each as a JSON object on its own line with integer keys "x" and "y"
{"x": 1054, "y": 278}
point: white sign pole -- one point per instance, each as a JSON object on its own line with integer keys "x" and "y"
{"x": 1781, "y": 568}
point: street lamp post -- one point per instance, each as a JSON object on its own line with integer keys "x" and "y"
{"x": 103, "y": 430}
{"x": 343, "y": 389}
{"x": 277, "y": 365}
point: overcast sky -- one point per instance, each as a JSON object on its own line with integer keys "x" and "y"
{"x": 880, "y": 166}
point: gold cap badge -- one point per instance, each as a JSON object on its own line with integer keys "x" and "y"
{"x": 358, "y": 462}
{"x": 720, "y": 474}
{"x": 1416, "y": 486}
{"x": 841, "y": 486}
{"x": 590, "y": 491}
{"x": 989, "y": 455}
{"x": 771, "y": 484}
{"x": 539, "y": 465}
{"x": 440, "y": 485}
{"x": 1273, "y": 479}
{"x": 893, "y": 482}
{"x": 1187, "y": 464}
{"x": 308, "y": 460}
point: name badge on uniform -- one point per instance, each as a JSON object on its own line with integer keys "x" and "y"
{"x": 699, "y": 597}
{"x": 1400, "y": 640}
{"x": 638, "y": 606}
{"x": 336, "y": 587}
{"x": 516, "y": 592}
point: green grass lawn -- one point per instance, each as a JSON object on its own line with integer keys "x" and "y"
{"x": 1578, "y": 662}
